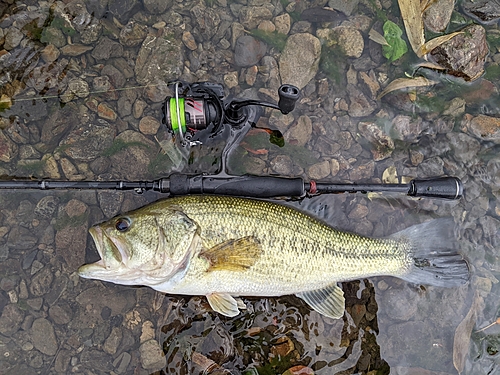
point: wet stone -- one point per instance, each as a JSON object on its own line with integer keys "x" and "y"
{"x": 300, "y": 132}
{"x": 8, "y": 149}
{"x": 121, "y": 362}
{"x": 363, "y": 171}
{"x": 43, "y": 336}
{"x": 251, "y": 17}
{"x": 319, "y": 171}
{"x": 149, "y": 125}
{"x": 13, "y": 38}
{"x": 159, "y": 58}
{"x": 116, "y": 77}
{"x": 464, "y": 55}
{"x": 11, "y": 319}
{"x": 61, "y": 313}
{"x": 485, "y": 11}
{"x": 110, "y": 202}
{"x": 62, "y": 361}
{"x": 483, "y": 127}
{"x": 437, "y": 16}
{"x": 106, "y": 112}
{"x": 113, "y": 341}
{"x": 254, "y": 165}
{"x": 75, "y": 49}
{"x": 282, "y": 165}
{"x": 360, "y": 211}
{"x": 405, "y": 128}
{"x": 382, "y": 144}
{"x": 41, "y": 282}
{"x": 359, "y": 104}
{"x": 21, "y": 238}
{"x": 88, "y": 141}
{"x": 189, "y": 41}
{"x": 69, "y": 238}
{"x": 431, "y": 167}
{"x": 206, "y": 19}
{"x": 465, "y": 148}
{"x": 152, "y": 357}
{"x": 248, "y": 51}
{"x": 299, "y": 60}
{"x": 50, "y": 53}
{"x": 347, "y": 38}
{"x": 107, "y": 48}
{"x": 121, "y": 8}
{"x": 133, "y": 34}
{"x": 138, "y": 108}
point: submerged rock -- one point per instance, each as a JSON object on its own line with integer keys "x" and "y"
{"x": 43, "y": 336}
{"x": 437, "y": 16}
{"x": 152, "y": 357}
{"x": 248, "y": 51}
{"x": 299, "y": 60}
{"x": 160, "y": 58}
{"x": 483, "y": 127}
{"x": 464, "y": 55}
{"x": 485, "y": 11}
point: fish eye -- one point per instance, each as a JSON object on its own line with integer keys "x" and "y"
{"x": 122, "y": 224}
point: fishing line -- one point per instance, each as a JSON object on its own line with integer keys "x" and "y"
{"x": 21, "y": 99}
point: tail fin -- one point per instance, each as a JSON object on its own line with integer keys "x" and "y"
{"x": 435, "y": 258}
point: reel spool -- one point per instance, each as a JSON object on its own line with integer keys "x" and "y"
{"x": 195, "y": 107}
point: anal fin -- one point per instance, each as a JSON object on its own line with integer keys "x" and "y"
{"x": 233, "y": 255}
{"x": 328, "y": 301}
{"x": 224, "y": 304}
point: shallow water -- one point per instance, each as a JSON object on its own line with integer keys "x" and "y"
{"x": 85, "y": 111}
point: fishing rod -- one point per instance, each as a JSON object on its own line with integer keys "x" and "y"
{"x": 252, "y": 186}
{"x": 199, "y": 112}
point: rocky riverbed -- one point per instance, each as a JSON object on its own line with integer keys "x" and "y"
{"x": 82, "y": 84}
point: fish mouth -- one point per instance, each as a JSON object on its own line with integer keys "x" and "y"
{"x": 111, "y": 257}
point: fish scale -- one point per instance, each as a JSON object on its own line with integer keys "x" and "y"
{"x": 300, "y": 252}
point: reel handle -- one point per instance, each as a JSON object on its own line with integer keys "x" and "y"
{"x": 443, "y": 187}
{"x": 289, "y": 95}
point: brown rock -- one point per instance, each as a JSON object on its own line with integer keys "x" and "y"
{"x": 50, "y": 53}
{"x": 149, "y": 125}
{"x": 464, "y": 55}
{"x": 484, "y": 127}
{"x": 188, "y": 40}
{"x": 106, "y": 112}
{"x": 282, "y": 347}
{"x": 75, "y": 49}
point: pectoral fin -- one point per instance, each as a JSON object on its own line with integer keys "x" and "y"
{"x": 328, "y": 301}
{"x": 233, "y": 255}
{"x": 224, "y": 304}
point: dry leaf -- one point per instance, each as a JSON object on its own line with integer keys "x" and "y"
{"x": 377, "y": 37}
{"x": 390, "y": 175}
{"x": 414, "y": 24}
{"x": 402, "y": 83}
{"x": 463, "y": 332}
{"x": 436, "y": 42}
{"x": 429, "y": 65}
{"x": 425, "y": 4}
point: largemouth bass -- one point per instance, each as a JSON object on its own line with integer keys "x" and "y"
{"x": 225, "y": 247}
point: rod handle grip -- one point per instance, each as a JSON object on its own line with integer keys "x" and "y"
{"x": 246, "y": 185}
{"x": 442, "y": 187}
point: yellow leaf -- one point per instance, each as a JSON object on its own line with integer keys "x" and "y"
{"x": 414, "y": 24}
{"x": 402, "y": 83}
{"x": 436, "y": 42}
